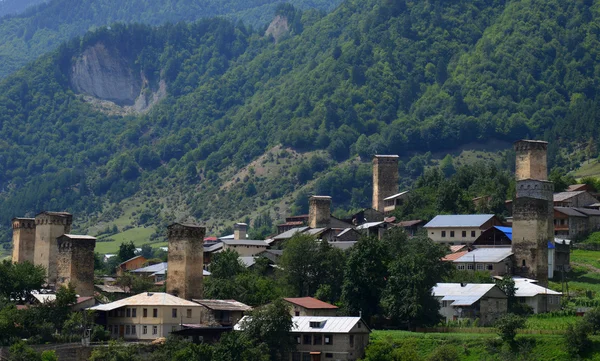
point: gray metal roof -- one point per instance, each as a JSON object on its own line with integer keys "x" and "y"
{"x": 572, "y": 212}
{"x": 525, "y": 288}
{"x": 223, "y": 305}
{"x": 78, "y": 236}
{"x": 395, "y": 196}
{"x": 152, "y": 268}
{"x": 491, "y": 255}
{"x": 146, "y": 299}
{"x": 588, "y": 211}
{"x": 369, "y": 225}
{"x": 247, "y": 261}
{"x": 462, "y": 294}
{"x": 290, "y": 233}
{"x": 459, "y": 220}
{"x": 330, "y": 324}
{"x": 563, "y": 196}
{"x": 244, "y": 242}
{"x": 343, "y": 245}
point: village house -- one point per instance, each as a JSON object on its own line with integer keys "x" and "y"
{"x": 460, "y": 301}
{"x": 245, "y": 247}
{"x": 147, "y": 316}
{"x": 392, "y": 202}
{"x": 411, "y": 227}
{"x": 497, "y": 261}
{"x": 131, "y": 264}
{"x": 540, "y": 299}
{"x": 224, "y": 313}
{"x": 309, "y": 306}
{"x": 459, "y": 229}
{"x": 573, "y": 199}
{"x": 327, "y": 338}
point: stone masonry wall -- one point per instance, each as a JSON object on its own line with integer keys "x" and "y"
{"x": 385, "y": 179}
{"x": 319, "y": 212}
{"x": 23, "y": 240}
{"x": 76, "y": 264}
{"x": 531, "y": 161}
{"x": 185, "y": 263}
{"x": 48, "y": 227}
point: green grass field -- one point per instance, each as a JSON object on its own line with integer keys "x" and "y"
{"x": 588, "y": 169}
{"x": 139, "y": 236}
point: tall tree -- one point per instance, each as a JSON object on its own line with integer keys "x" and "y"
{"x": 365, "y": 277}
{"x": 300, "y": 264}
{"x": 126, "y": 251}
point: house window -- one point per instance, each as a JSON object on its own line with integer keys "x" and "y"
{"x": 480, "y": 266}
{"x": 297, "y": 313}
{"x": 490, "y": 267}
{"x": 328, "y": 355}
{"x": 307, "y": 340}
{"x": 154, "y": 330}
{"x": 127, "y": 330}
{"x": 134, "y": 312}
{"x": 145, "y": 330}
{"x": 443, "y": 233}
{"x": 174, "y": 313}
{"x": 329, "y": 339}
{"x": 145, "y": 312}
{"x": 352, "y": 341}
{"x": 189, "y": 313}
{"x": 444, "y": 303}
{"x": 470, "y": 266}
{"x": 133, "y": 329}
{"x": 452, "y": 234}
{"x": 461, "y": 267}
{"x": 464, "y": 234}
{"x": 155, "y": 312}
{"x": 129, "y": 312}
{"x": 298, "y": 340}
{"x": 550, "y": 299}
{"x": 472, "y": 233}
{"x": 318, "y": 340}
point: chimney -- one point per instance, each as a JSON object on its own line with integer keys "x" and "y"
{"x": 239, "y": 231}
{"x": 385, "y": 179}
{"x": 531, "y": 161}
{"x": 319, "y": 212}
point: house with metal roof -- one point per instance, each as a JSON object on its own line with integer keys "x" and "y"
{"x": 573, "y": 199}
{"x": 309, "y": 306}
{"x": 224, "y": 313}
{"x": 390, "y": 203}
{"x": 497, "y": 261}
{"x": 460, "y": 301}
{"x": 459, "y": 229}
{"x": 245, "y": 247}
{"x": 326, "y": 338}
{"x": 147, "y": 316}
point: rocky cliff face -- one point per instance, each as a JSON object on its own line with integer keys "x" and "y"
{"x": 105, "y": 75}
{"x": 278, "y": 27}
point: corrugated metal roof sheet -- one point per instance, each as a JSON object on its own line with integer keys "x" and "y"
{"x": 395, "y": 196}
{"x": 563, "y": 196}
{"x": 78, "y": 236}
{"x": 588, "y": 211}
{"x": 290, "y": 233}
{"x": 572, "y": 212}
{"x": 492, "y": 255}
{"x": 506, "y": 230}
{"x": 146, "y": 299}
{"x": 459, "y": 220}
{"x": 456, "y": 291}
{"x": 369, "y": 225}
{"x": 244, "y": 242}
{"x": 329, "y": 324}
{"x": 152, "y": 268}
{"x": 223, "y": 305}
{"x": 310, "y": 303}
{"x": 525, "y": 288}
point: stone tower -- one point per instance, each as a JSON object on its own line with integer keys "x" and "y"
{"x": 533, "y": 212}
{"x": 23, "y": 239}
{"x": 76, "y": 263}
{"x": 185, "y": 263}
{"x": 48, "y": 227}
{"x": 385, "y": 179}
{"x": 240, "y": 231}
{"x": 319, "y": 211}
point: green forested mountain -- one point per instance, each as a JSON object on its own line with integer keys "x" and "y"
{"x": 249, "y": 125}
{"x": 8, "y": 7}
{"x": 26, "y": 36}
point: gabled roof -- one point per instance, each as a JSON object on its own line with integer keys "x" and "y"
{"x": 369, "y": 225}
{"x": 563, "y": 196}
{"x": 146, "y": 299}
{"x": 459, "y": 220}
{"x": 571, "y": 212}
{"x": 457, "y": 248}
{"x": 343, "y": 245}
{"x": 131, "y": 259}
{"x": 223, "y": 305}
{"x": 527, "y": 288}
{"x": 311, "y": 303}
{"x": 290, "y": 233}
{"x": 588, "y": 211}
{"x": 152, "y": 268}
{"x": 244, "y": 242}
{"x": 77, "y": 236}
{"x": 577, "y": 187}
{"x": 506, "y": 230}
{"x": 454, "y": 256}
{"x": 214, "y": 247}
{"x": 409, "y": 223}
{"x": 463, "y": 294}
{"x": 492, "y": 255}
{"x": 332, "y": 324}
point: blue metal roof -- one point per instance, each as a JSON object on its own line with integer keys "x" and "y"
{"x": 506, "y": 230}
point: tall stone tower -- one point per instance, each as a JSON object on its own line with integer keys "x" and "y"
{"x": 319, "y": 211}
{"x": 533, "y": 211}
{"x": 48, "y": 227}
{"x": 385, "y": 179}
{"x": 23, "y": 239}
{"x": 240, "y": 231}
{"x": 76, "y": 263}
{"x": 185, "y": 263}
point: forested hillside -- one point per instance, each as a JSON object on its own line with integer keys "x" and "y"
{"x": 9, "y": 7}
{"x": 249, "y": 125}
{"x": 26, "y": 36}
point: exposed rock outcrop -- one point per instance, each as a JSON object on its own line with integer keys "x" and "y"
{"x": 278, "y": 27}
{"x": 103, "y": 76}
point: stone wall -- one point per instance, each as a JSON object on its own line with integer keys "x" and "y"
{"x": 531, "y": 161}
{"x": 23, "y": 240}
{"x": 185, "y": 262}
{"x": 385, "y": 179}
{"x": 48, "y": 227}
{"x": 76, "y": 264}
{"x": 319, "y": 211}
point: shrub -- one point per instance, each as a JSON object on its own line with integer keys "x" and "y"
{"x": 444, "y": 353}
{"x": 507, "y": 326}
{"x": 577, "y": 337}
